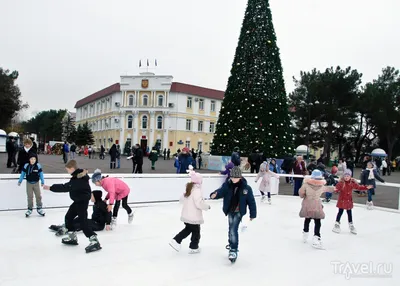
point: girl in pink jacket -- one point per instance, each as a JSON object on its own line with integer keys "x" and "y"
{"x": 266, "y": 175}
{"x": 192, "y": 213}
{"x": 117, "y": 191}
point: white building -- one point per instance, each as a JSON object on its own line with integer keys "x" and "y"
{"x": 151, "y": 110}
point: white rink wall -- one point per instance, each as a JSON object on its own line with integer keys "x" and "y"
{"x": 144, "y": 188}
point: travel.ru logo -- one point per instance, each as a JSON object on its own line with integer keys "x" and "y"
{"x": 363, "y": 269}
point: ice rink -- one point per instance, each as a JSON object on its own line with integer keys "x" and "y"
{"x": 271, "y": 251}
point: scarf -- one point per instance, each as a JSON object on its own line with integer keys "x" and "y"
{"x": 371, "y": 174}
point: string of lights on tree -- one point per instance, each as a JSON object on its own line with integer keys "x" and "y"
{"x": 254, "y": 111}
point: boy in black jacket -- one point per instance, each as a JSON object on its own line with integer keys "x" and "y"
{"x": 79, "y": 191}
{"x": 101, "y": 217}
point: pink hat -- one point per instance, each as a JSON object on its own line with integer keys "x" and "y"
{"x": 196, "y": 178}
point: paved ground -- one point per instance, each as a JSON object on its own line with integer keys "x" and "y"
{"x": 385, "y": 196}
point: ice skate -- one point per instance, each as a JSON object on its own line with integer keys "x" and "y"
{"x": 61, "y": 231}
{"x": 317, "y": 243}
{"x": 263, "y": 199}
{"x": 94, "y": 244}
{"x": 305, "y": 237}
{"x": 130, "y": 217}
{"x": 336, "y": 228}
{"x": 352, "y": 228}
{"x": 41, "y": 212}
{"x": 232, "y": 255}
{"x": 370, "y": 205}
{"x": 175, "y": 245}
{"x": 70, "y": 239}
{"x": 269, "y": 201}
{"x": 194, "y": 251}
{"x": 326, "y": 200}
{"x": 54, "y": 227}
{"x": 28, "y": 213}
{"x": 113, "y": 223}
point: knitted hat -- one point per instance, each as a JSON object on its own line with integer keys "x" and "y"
{"x": 97, "y": 194}
{"x": 264, "y": 166}
{"x": 96, "y": 177}
{"x": 236, "y": 172}
{"x": 186, "y": 149}
{"x": 317, "y": 175}
{"x": 347, "y": 173}
{"x": 33, "y": 155}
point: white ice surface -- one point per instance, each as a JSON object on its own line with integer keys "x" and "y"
{"x": 271, "y": 250}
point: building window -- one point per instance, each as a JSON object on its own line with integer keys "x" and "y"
{"x": 98, "y": 108}
{"x": 159, "y": 122}
{"x": 213, "y": 106}
{"x": 160, "y": 100}
{"x": 189, "y": 102}
{"x": 187, "y": 144}
{"x": 201, "y": 104}
{"x": 130, "y": 100}
{"x": 200, "y": 146}
{"x": 144, "y": 122}
{"x": 188, "y": 124}
{"x": 145, "y": 100}
{"x": 130, "y": 122}
{"x": 212, "y": 127}
{"x": 200, "y": 126}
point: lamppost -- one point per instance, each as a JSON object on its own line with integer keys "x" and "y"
{"x": 309, "y": 104}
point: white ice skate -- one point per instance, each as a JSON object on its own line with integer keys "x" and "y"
{"x": 175, "y": 245}
{"x": 41, "y": 212}
{"x": 370, "y": 205}
{"x": 70, "y": 239}
{"x": 113, "y": 223}
{"x": 317, "y": 243}
{"x": 336, "y": 228}
{"x": 94, "y": 244}
{"x": 130, "y": 217}
{"x": 352, "y": 228}
{"x": 263, "y": 199}
{"x": 28, "y": 213}
{"x": 305, "y": 237}
{"x": 232, "y": 255}
{"x": 61, "y": 231}
{"x": 194, "y": 251}
{"x": 269, "y": 201}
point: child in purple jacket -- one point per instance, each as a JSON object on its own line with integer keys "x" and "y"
{"x": 228, "y": 168}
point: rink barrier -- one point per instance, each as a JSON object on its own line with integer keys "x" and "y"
{"x": 145, "y": 188}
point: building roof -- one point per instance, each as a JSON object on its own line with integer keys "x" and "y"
{"x": 197, "y": 90}
{"x": 97, "y": 95}
{"x": 175, "y": 87}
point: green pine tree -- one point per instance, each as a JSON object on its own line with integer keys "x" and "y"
{"x": 80, "y": 138}
{"x": 254, "y": 111}
{"x": 88, "y": 134}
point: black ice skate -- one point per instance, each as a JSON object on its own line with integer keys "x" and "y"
{"x": 70, "y": 239}
{"x": 41, "y": 212}
{"x": 94, "y": 244}
{"x": 232, "y": 255}
{"x": 54, "y": 227}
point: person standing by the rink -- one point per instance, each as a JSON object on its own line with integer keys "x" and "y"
{"x": 192, "y": 213}
{"x": 299, "y": 168}
{"x": 117, "y": 191}
{"x": 237, "y": 197}
{"x": 235, "y": 157}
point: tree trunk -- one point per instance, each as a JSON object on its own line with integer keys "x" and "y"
{"x": 327, "y": 144}
{"x": 390, "y": 142}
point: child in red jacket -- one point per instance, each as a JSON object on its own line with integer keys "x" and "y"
{"x": 345, "y": 200}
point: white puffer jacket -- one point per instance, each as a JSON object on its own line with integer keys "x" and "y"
{"x": 193, "y": 206}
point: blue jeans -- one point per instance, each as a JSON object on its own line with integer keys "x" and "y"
{"x": 234, "y": 221}
{"x": 118, "y": 163}
{"x": 328, "y": 195}
{"x": 297, "y": 186}
{"x": 370, "y": 191}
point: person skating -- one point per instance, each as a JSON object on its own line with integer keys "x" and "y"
{"x": 101, "y": 217}
{"x": 79, "y": 191}
{"x": 265, "y": 186}
{"x": 237, "y": 195}
{"x": 117, "y": 191}
{"x": 311, "y": 207}
{"x": 192, "y": 213}
{"x": 345, "y": 189}
{"x": 33, "y": 173}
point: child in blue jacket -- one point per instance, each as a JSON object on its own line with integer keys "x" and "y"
{"x": 33, "y": 173}
{"x": 237, "y": 196}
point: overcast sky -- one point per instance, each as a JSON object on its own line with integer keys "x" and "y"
{"x": 65, "y": 50}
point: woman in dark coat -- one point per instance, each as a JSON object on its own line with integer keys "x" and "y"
{"x": 113, "y": 154}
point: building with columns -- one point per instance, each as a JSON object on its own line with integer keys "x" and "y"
{"x": 152, "y": 110}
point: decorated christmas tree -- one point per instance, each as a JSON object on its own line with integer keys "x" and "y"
{"x": 254, "y": 112}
